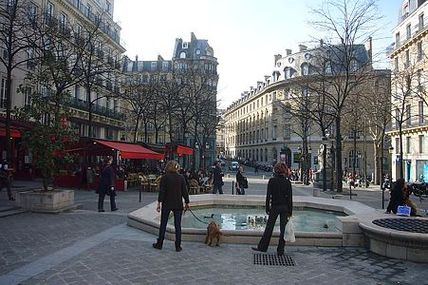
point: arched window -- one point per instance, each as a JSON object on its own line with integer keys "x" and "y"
{"x": 327, "y": 67}
{"x": 182, "y": 54}
{"x": 304, "y": 68}
{"x": 288, "y": 72}
{"x": 354, "y": 65}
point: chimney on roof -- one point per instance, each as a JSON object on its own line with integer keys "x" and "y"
{"x": 321, "y": 42}
{"x": 302, "y": 48}
{"x": 288, "y": 51}
{"x": 277, "y": 57}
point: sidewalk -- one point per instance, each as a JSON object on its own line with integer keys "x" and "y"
{"x": 87, "y": 247}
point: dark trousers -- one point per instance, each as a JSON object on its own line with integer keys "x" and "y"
{"x": 5, "y": 182}
{"x": 219, "y": 187}
{"x": 273, "y": 215}
{"x": 177, "y": 225}
{"x": 101, "y": 201}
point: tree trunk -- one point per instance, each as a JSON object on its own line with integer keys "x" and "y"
{"x": 339, "y": 171}
{"x": 136, "y": 128}
{"x": 9, "y": 156}
{"x": 90, "y": 105}
{"x": 401, "y": 151}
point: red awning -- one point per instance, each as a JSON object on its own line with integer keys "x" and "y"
{"x": 133, "y": 151}
{"x": 181, "y": 149}
{"x": 14, "y": 133}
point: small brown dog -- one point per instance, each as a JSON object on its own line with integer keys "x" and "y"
{"x": 213, "y": 232}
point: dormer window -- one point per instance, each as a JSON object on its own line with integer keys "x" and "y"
{"x": 182, "y": 54}
{"x": 305, "y": 69}
{"x": 185, "y": 45}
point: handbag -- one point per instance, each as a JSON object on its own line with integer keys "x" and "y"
{"x": 289, "y": 232}
{"x": 245, "y": 183}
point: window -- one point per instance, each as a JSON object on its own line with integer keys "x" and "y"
{"x": 421, "y": 22}
{"x": 50, "y": 9}
{"x": 153, "y": 65}
{"x": 27, "y": 99}
{"x": 77, "y": 92}
{"x": 421, "y": 112}
{"x": 3, "y": 93}
{"x": 165, "y": 66}
{"x": 396, "y": 64}
{"x": 408, "y": 115}
{"x": 182, "y": 54}
{"x": 397, "y": 117}
{"x": 305, "y": 69}
{"x": 327, "y": 67}
{"x": 287, "y": 132}
{"x": 397, "y": 39}
{"x": 408, "y": 140}
{"x": 108, "y": 7}
{"x": 354, "y": 65}
{"x": 408, "y": 31}
{"x": 420, "y": 51}
{"x": 397, "y": 145}
{"x": 351, "y": 158}
{"x": 274, "y": 132}
{"x": 421, "y": 143}
{"x": 32, "y": 12}
{"x": 419, "y": 79}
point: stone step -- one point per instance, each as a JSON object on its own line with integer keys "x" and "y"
{"x": 15, "y": 211}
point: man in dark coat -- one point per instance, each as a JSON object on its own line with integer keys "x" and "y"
{"x": 279, "y": 202}
{"x": 5, "y": 177}
{"x": 172, "y": 191}
{"x": 106, "y": 186}
{"x": 218, "y": 178}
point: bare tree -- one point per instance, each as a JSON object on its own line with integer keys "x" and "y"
{"x": 348, "y": 23}
{"x": 16, "y": 29}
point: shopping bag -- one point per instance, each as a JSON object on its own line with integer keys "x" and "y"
{"x": 289, "y": 232}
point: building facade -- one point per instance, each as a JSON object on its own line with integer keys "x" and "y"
{"x": 193, "y": 70}
{"x": 409, "y": 64}
{"x": 259, "y": 129}
{"x": 95, "y": 114}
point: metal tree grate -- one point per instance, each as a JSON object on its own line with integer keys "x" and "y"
{"x": 273, "y": 260}
{"x": 405, "y": 225}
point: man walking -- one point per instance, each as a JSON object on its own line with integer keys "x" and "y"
{"x": 218, "y": 178}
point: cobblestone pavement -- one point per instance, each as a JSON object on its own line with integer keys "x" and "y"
{"x": 87, "y": 247}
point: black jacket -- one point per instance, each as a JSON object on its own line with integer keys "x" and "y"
{"x": 107, "y": 180}
{"x": 279, "y": 195}
{"x": 240, "y": 179}
{"x": 217, "y": 175}
{"x": 173, "y": 189}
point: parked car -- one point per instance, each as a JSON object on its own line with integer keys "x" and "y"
{"x": 234, "y": 166}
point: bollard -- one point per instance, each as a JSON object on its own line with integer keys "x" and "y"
{"x": 233, "y": 188}
{"x": 139, "y": 194}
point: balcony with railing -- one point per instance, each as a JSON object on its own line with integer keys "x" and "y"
{"x": 96, "y": 20}
{"x": 96, "y": 109}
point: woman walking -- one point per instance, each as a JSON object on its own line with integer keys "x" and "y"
{"x": 241, "y": 182}
{"x": 279, "y": 202}
{"x": 106, "y": 186}
{"x": 173, "y": 189}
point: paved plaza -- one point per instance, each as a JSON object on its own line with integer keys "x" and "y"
{"x": 87, "y": 247}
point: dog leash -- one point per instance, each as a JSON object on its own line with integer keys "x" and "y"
{"x": 197, "y": 217}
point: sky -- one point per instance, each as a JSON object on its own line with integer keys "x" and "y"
{"x": 245, "y": 34}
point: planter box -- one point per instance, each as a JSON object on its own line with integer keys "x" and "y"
{"x": 46, "y": 201}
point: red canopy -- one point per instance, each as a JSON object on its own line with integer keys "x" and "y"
{"x": 14, "y": 133}
{"x": 181, "y": 149}
{"x": 133, "y": 151}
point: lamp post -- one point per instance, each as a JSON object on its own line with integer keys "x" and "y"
{"x": 299, "y": 151}
{"x": 196, "y": 149}
{"x": 324, "y": 158}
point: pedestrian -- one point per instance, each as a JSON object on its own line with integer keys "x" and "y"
{"x": 279, "y": 202}
{"x": 397, "y": 196}
{"x": 106, "y": 186}
{"x": 5, "y": 177}
{"x": 218, "y": 179}
{"x": 241, "y": 182}
{"x": 172, "y": 190}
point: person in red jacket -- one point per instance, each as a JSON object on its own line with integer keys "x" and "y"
{"x": 279, "y": 202}
{"x": 172, "y": 191}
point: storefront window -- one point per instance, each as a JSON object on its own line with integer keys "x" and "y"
{"x": 422, "y": 170}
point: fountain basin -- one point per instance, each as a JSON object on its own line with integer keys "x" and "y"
{"x": 347, "y": 233}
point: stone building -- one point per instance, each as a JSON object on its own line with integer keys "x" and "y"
{"x": 188, "y": 57}
{"x": 409, "y": 61}
{"x": 75, "y": 17}
{"x": 259, "y": 129}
